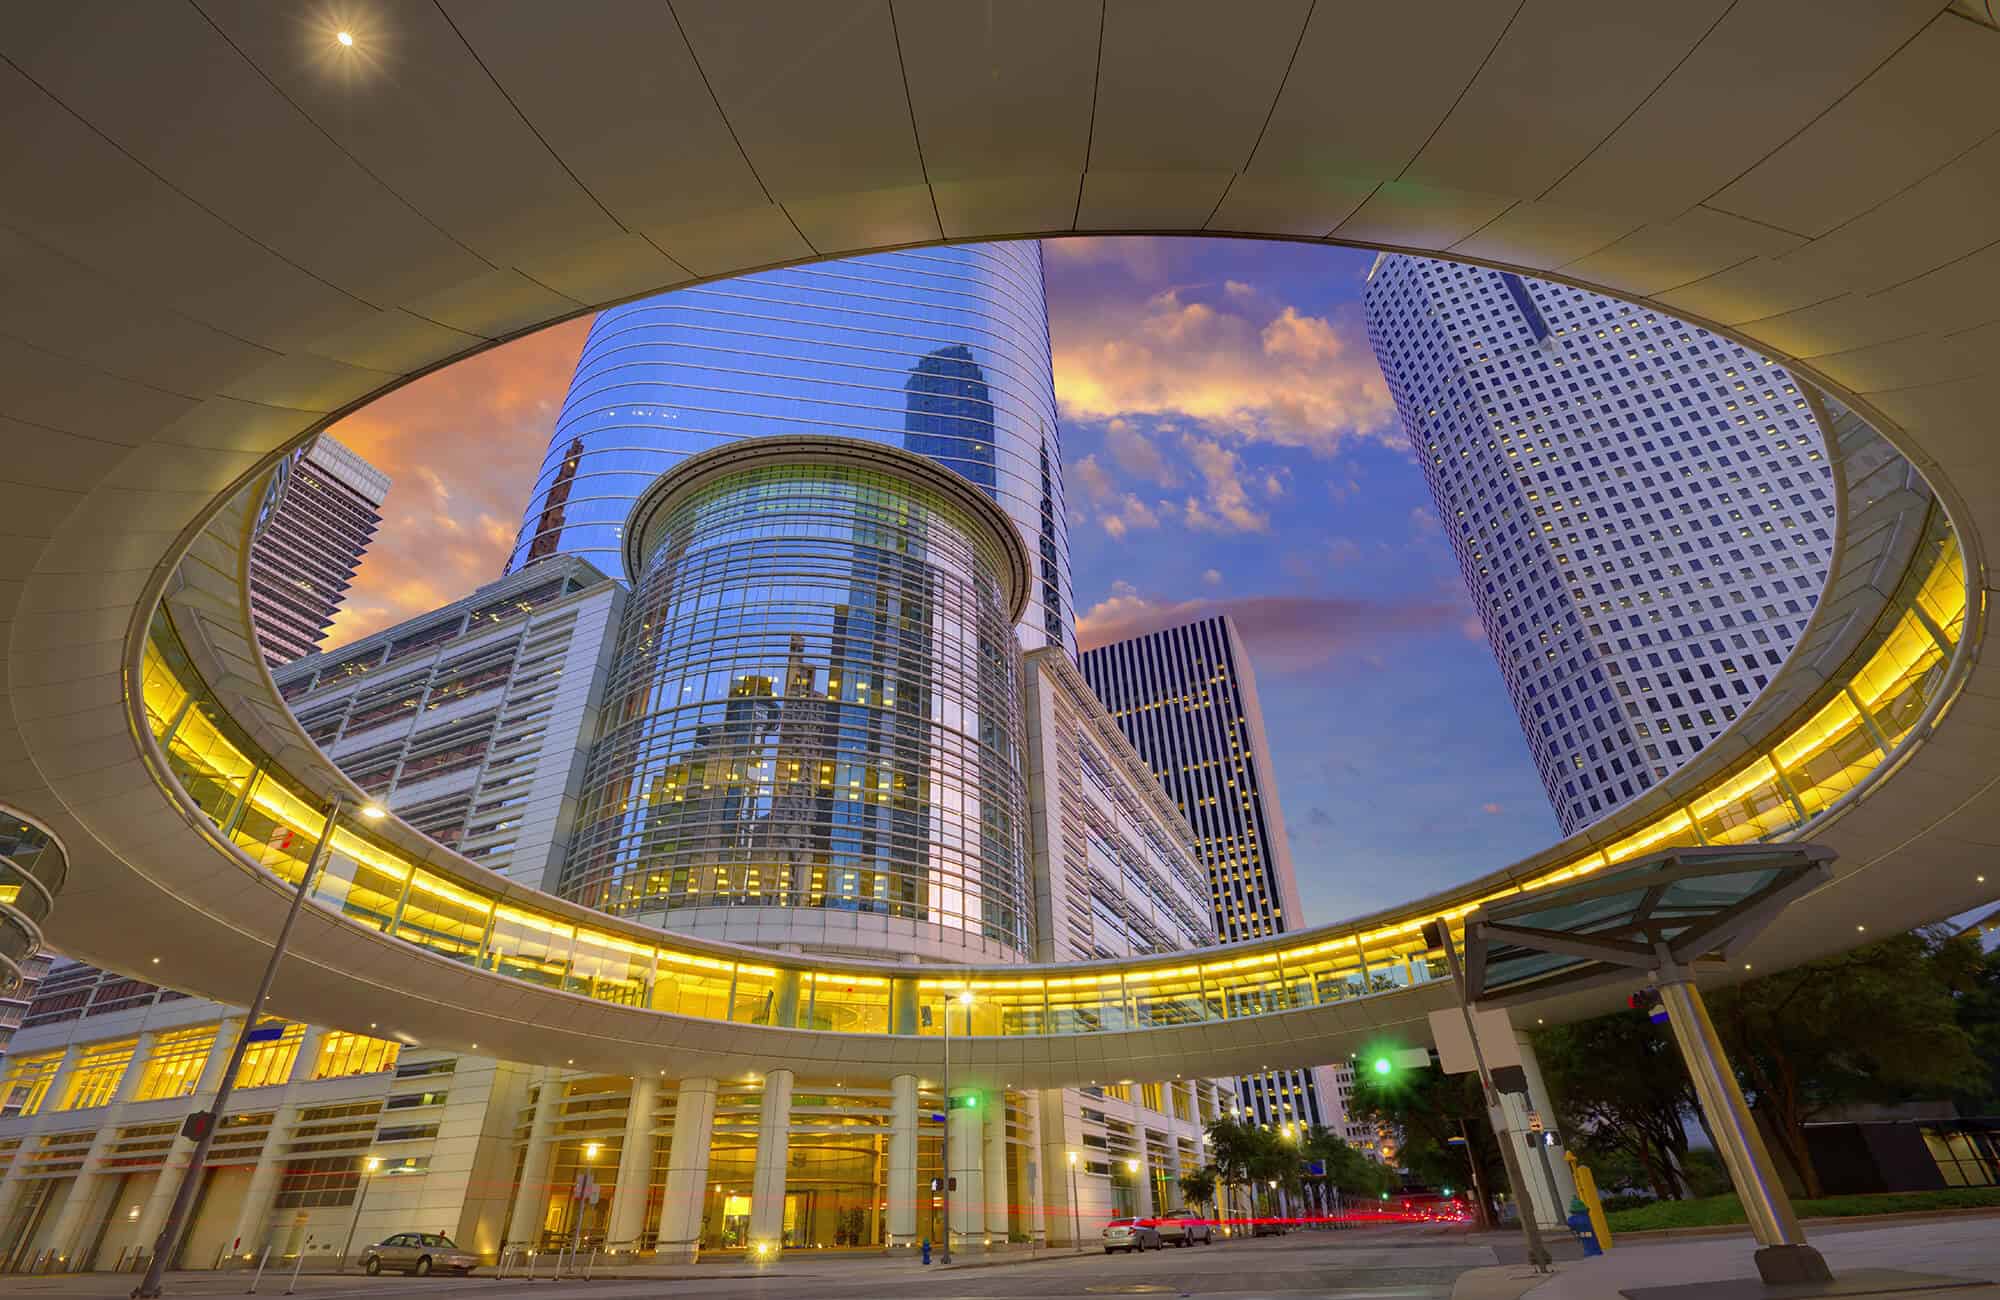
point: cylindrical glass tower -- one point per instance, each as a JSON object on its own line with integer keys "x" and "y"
{"x": 940, "y": 351}
{"x": 812, "y": 729}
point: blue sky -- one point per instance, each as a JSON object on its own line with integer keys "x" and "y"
{"x": 1229, "y": 446}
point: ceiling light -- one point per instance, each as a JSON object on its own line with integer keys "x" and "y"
{"x": 374, "y": 812}
{"x": 345, "y": 38}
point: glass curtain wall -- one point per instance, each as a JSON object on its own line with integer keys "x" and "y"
{"x": 940, "y": 351}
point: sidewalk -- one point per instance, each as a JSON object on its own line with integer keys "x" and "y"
{"x": 1966, "y": 1248}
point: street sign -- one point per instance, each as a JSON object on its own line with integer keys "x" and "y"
{"x": 584, "y": 1189}
{"x": 1534, "y": 1121}
{"x": 1315, "y": 1168}
{"x": 1496, "y": 1040}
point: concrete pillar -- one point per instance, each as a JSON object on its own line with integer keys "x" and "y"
{"x": 1065, "y": 1217}
{"x": 767, "y": 1181}
{"x": 1538, "y": 1192}
{"x": 174, "y": 1167}
{"x": 998, "y": 1197}
{"x": 263, "y": 1189}
{"x": 635, "y": 1169}
{"x": 1032, "y": 1195}
{"x": 1142, "y": 1178}
{"x": 968, "y": 1212}
{"x": 71, "y": 1233}
{"x": 902, "y": 1189}
{"x": 531, "y": 1196}
{"x": 308, "y": 1058}
{"x": 679, "y": 1235}
{"x": 1542, "y": 1103}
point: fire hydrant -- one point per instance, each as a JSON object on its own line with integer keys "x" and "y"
{"x": 927, "y": 1250}
{"x": 1579, "y": 1223}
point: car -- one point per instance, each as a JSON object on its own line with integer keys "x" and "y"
{"x": 1184, "y": 1228}
{"x": 418, "y": 1254}
{"x": 1267, "y": 1228}
{"x": 1130, "y": 1235}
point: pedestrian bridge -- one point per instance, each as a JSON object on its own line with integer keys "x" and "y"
{"x": 194, "y": 292}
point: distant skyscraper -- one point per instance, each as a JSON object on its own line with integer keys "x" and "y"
{"x": 941, "y": 351}
{"x": 322, "y": 514}
{"x": 1642, "y": 511}
{"x": 1187, "y": 700}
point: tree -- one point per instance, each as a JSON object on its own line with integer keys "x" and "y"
{"x": 1619, "y": 1087}
{"x": 1432, "y": 1109}
{"x": 1878, "y": 1024}
{"x": 1347, "y": 1170}
{"x": 1198, "y": 1188}
{"x": 1248, "y": 1154}
{"x": 1979, "y": 1017}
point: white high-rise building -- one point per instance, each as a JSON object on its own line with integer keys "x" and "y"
{"x": 1642, "y": 510}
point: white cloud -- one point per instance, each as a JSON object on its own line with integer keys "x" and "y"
{"x": 1213, "y": 577}
{"x": 1225, "y": 505}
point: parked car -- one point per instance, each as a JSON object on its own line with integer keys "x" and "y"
{"x": 1184, "y": 1228}
{"x": 1268, "y": 1228}
{"x": 417, "y": 1253}
{"x": 1130, "y": 1234}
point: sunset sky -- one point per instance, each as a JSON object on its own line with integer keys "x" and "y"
{"x": 1228, "y": 445}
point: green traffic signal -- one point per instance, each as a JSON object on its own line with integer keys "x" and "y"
{"x": 1382, "y": 1065}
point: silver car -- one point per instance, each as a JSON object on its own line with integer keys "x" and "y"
{"x": 1184, "y": 1228}
{"x": 1130, "y": 1235}
{"x": 417, "y": 1253}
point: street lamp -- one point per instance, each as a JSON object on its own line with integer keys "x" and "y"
{"x": 1075, "y": 1229}
{"x": 368, "y": 1168}
{"x": 964, "y": 1000}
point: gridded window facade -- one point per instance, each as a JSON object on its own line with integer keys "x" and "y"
{"x": 940, "y": 351}
{"x": 815, "y": 704}
{"x": 326, "y": 506}
{"x": 1642, "y": 511}
{"x": 342, "y": 1054}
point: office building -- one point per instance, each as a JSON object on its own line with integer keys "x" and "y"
{"x": 1185, "y": 697}
{"x": 940, "y": 351}
{"x": 318, "y": 517}
{"x": 1642, "y": 511}
{"x": 472, "y": 722}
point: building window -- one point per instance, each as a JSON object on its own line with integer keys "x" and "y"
{"x": 97, "y": 1073}
{"x": 342, "y": 1054}
{"x": 174, "y": 1068}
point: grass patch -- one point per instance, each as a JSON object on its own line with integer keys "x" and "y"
{"x": 1712, "y": 1211}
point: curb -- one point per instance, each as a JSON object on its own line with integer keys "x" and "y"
{"x": 1823, "y": 1221}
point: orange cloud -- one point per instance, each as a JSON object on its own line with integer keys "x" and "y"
{"x": 462, "y": 445}
{"x": 1293, "y": 380}
{"x": 1284, "y": 634}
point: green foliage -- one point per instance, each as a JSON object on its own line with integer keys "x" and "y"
{"x": 1431, "y": 1108}
{"x": 1620, "y": 1091}
{"x": 1710, "y": 1211}
{"x": 1246, "y": 1155}
{"x": 1979, "y": 1016}
{"x": 1198, "y": 1188}
{"x": 1878, "y": 1024}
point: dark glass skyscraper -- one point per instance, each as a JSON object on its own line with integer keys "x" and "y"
{"x": 940, "y": 351}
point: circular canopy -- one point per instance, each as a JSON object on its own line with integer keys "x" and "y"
{"x": 223, "y": 228}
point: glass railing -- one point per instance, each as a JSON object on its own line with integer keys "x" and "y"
{"x": 32, "y": 868}
{"x": 1777, "y": 793}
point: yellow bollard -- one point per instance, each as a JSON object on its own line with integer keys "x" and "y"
{"x": 1586, "y": 1191}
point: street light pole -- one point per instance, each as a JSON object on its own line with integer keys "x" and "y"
{"x": 170, "y": 1231}
{"x": 1075, "y": 1226}
{"x": 1538, "y": 1254}
{"x": 964, "y": 1000}
{"x": 368, "y": 1168}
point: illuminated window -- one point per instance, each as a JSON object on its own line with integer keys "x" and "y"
{"x": 26, "y": 1083}
{"x": 174, "y": 1068}
{"x": 97, "y": 1073}
{"x": 269, "y": 1062}
{"x": 342, "y": 1054}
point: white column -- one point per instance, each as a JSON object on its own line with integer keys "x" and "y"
{"x": 1065, "y": 1218}
{"x": 1543, "y": 1104}
{"x": 968, "y": 1215}
{"x": 679, "y": 1236}
{"x": 263, "y": 1188}
{"x": 998, "y": 1198}
{"x": 1529, "y": 1161}
{"x": 1142, "y": 1179}
{"x": 531, "y": 1197}
{"x": 1035, "y": 1172}
{"x": 635, "y": 1168}
{"x": 902, "y": 1187}
{"x": 307, "y": 1060}
{"x": 767, "y": 1182}
{"x": 71, "y": 1233}
{"x": 161, "y": 1199}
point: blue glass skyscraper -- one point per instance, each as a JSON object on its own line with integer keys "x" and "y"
{"x": 940, "y": 351}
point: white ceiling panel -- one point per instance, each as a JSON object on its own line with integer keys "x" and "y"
{"x": 1929, "y": 103}
{"x": 1186, "y": 85}
{"x": 1420, "y": 216}
{"x": 1664, "y": 255}
{"x": 415, "y": 105}
{"x": 1565, "y": 74}
{"x": 779, "y": 78}
{"x": 1759, "y": 77}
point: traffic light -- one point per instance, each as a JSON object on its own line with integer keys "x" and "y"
{"x": 1382, "y": 1065}
{"x": 1648, "y": 1001}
